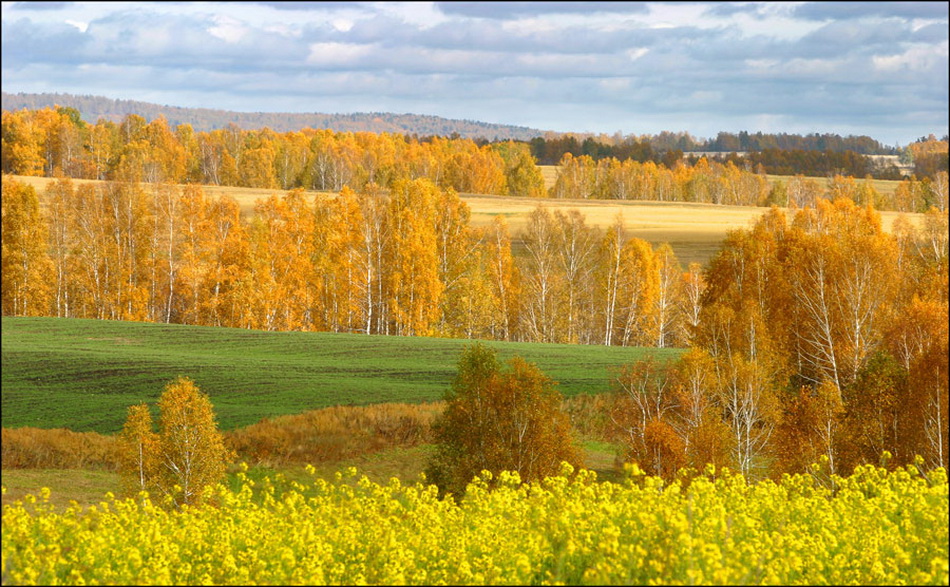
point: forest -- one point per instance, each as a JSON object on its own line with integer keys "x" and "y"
{"x": 814, "y": 332}
{"x": 57, "y": 142}
{"x": 812, "y": 155}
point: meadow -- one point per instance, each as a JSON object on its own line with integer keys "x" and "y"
{"x": 83, "y": 374}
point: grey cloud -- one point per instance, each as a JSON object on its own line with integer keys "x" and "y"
{"x": 851, "y": 10}
{"x": 846, "y": 37}
{"x": 727, "y": 9}
{"x": 488, "y": 36}
{"x": 148, "y": 39}
{"x": 41, "y": 5}
{"x": 307, "y": 5}
{"x": 506, "y": 10}
{"x": 932, "y": 33}
{"x": 25, "y": 43}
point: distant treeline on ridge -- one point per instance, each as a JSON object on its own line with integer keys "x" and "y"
{"x": 92, "y": 108}
{"x": 55, "y": 142}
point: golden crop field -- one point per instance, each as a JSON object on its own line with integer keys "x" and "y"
{"x": 694, "y": 230}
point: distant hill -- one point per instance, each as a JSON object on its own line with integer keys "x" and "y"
{"x": 92, "y": 108}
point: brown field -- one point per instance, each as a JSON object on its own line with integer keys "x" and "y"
{"x": 549, "y": 173}
{"x": 85, "y": 486}
{"x": 693, "y": 230}
{"x": 885, "y": 187}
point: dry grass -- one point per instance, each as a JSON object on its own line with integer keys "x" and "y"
{"x": 885, "y": 187}
{"x": 85, "y": 486}
{"x": 381, "y": 441}
{"x": 549, "y": 173}
{"x": 694, "y": 231}
{"x": 333, "y": 434}
{"x": 56, "y": 448}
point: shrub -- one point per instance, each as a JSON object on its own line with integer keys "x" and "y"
{"x": 497, "y": 419}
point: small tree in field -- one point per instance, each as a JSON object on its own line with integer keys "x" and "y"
{"x": 186, "y": 455}
{"x": 499, "y": 420}
{"x": 138, "y": 450}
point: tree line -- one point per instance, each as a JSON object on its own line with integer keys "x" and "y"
{"x": 816, "y": 158}
{"x": 93, "y": 108}
{"x": 925, "y": 157}
{"x": 58, "y": 142}
{"x": 819, "y": 338}
{"x": 404, "y": 261}
{"x": 730, "y": 182}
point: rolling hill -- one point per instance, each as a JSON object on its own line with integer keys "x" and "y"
{"x": 82, "y": 374}
{"x": 92, "y": 108}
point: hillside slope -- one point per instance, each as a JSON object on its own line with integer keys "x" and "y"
{"x": 92, "y": 108}
{"x": 83, "y": 374}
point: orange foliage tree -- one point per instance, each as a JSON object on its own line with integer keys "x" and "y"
{"x": 642, "y": 415}
{"x": 26, "y": 262}
{"x": 497, "y": 420}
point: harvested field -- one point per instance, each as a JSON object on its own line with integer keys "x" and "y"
{"x": 694, "y": 230}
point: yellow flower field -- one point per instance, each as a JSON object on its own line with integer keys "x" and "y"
{"x": 876, "y": 527}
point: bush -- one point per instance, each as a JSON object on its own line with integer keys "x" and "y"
{"x": 499, "y": 420}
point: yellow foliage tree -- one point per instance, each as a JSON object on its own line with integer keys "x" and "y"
{"x": 137, "y": 449}
{"x": 414, "y": 276}
{"x": 25, "y": 261}
{"x": 193, "y": 454}
{"x": 188, "y": 453}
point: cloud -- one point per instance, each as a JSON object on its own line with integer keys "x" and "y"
{"x": 508, "y": 10}
{"x": 40, "y": 5}
{"x": 228, "y": 29}
{"x": 856, "y": 10}
{"x": 27, "y": 42}
{"x": 338, "y": 54}
{"x": 305, "y": 6}
{"x": 919, "y": 59}
{"x": 561, "y": 65}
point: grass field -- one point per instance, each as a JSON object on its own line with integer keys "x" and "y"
{"x": 82, "y": 374}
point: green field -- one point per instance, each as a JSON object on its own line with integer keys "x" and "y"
{"x": 83, "y": 374}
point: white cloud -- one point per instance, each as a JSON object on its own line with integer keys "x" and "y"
{"x": 342, "y": 24}
{"x": 915, "y": 59}
{"x": 338, "y": 54}
{"x": 82, "y": 26}
{"x": 228, "y": 29}
{"x": 423, "y": 15}
{"x": 763, "y": 65}
{"x": 814, "y": 68}
{"x": 634, "y": 54}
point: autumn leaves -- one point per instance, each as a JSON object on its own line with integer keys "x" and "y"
{"x": 404, "y": 261}
{"x": 185, "y": 456}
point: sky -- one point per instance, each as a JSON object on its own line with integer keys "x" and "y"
{"x": 634, "y": 68}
